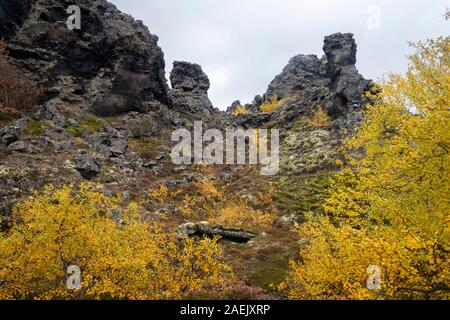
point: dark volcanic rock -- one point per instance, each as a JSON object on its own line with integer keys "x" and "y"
{"x": 112, "y": 144}
{"x": 113, "y": 63}
{"x": 189, "y": 77}
{"x": 307, "y": 82}
{"x": 348, "y": 85}
{"x": 190, "y": 87}
{"x": 12, "y": 15}
{"x": 340, "y": 50}
{"x": 303, "y": 74}
{"x": 87, "y": 165}
{"x": 9, "y": 135}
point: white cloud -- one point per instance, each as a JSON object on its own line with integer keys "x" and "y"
{"x": 219, "y": 76}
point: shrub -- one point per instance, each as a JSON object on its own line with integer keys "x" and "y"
{"x": 270, "y": 105}
{"x": 319, "y": 119}
{"x": 239, "y": 111}
{"x": 389, "y": 205}
{"x": 120, "y": 256}
{"x": 240, "y": 215}
{"x": 204, "y": 200}
{"x": 16, "y": 93}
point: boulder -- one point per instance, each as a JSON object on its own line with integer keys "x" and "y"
{"x": 87, "y": 165}
{"x": 51, "y": 113}
{"x": 179, "y": 169}
{"x": 9, "y": 135}
{"x": 149, "y": 163}
{"x": 111, "y": 144}
{"x": 21, "y": 146}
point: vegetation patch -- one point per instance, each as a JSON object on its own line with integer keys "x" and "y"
{"x": 7, "y": 118}
{"x": 85, "y": 128}
{"x": 240, "y": 110}
{"x": 300, "y": 195}
{"x": 270, "y": 105}
{"x": 35, "y": 128}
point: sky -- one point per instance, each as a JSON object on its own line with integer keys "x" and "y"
{"x": 243, "y": 44}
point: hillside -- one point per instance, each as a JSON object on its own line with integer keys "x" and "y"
{"x": 106, "y": 115}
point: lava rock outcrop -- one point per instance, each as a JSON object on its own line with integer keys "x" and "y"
{"x": 190, "y": 87}
{"x": 113, "y": 64}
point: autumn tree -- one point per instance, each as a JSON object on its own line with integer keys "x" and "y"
{"x": 389, "y": 206}
{"x": 120, "y": 256}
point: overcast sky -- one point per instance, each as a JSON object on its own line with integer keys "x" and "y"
{"x": 243, "y": 44}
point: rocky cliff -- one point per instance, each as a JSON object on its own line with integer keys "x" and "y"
{"x": 308, "y": 82}
{"x": 113, "y": 63}
{"x": 114, "y": 67}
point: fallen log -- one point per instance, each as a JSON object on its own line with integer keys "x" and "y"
{"x": 204, "y": 229}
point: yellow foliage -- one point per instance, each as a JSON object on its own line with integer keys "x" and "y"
{"x": 390, "y": 204}
{"x": 239, "y": 215}
{"x": 161, "y": 194}
{"x": 205, "y": 200}
{"x": 120, "y": 256}
{"x": 319, "y": 119}
{"x": 239, "y": 111}
{"x": 270, "y": 105}
{"x": 207, "y": 189}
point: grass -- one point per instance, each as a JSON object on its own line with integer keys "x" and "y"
{"x": 240, "y": 111}
{"x": 300, "y": 195}
{"x": 84, "y": 128}
{"x": 148, "y": 147}
{"x": 35, "y": 128}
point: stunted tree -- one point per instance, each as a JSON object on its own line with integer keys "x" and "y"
{"x": 390, "y": 205}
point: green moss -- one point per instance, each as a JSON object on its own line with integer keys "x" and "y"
{"x": 7, "y": 119}
{"x": 301, "y": 123}
{"x": 300, "y": 195}
{"x": 148, "y": 124}
{"x": 84, "y": 128}
{"x": 35, "y": 128}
